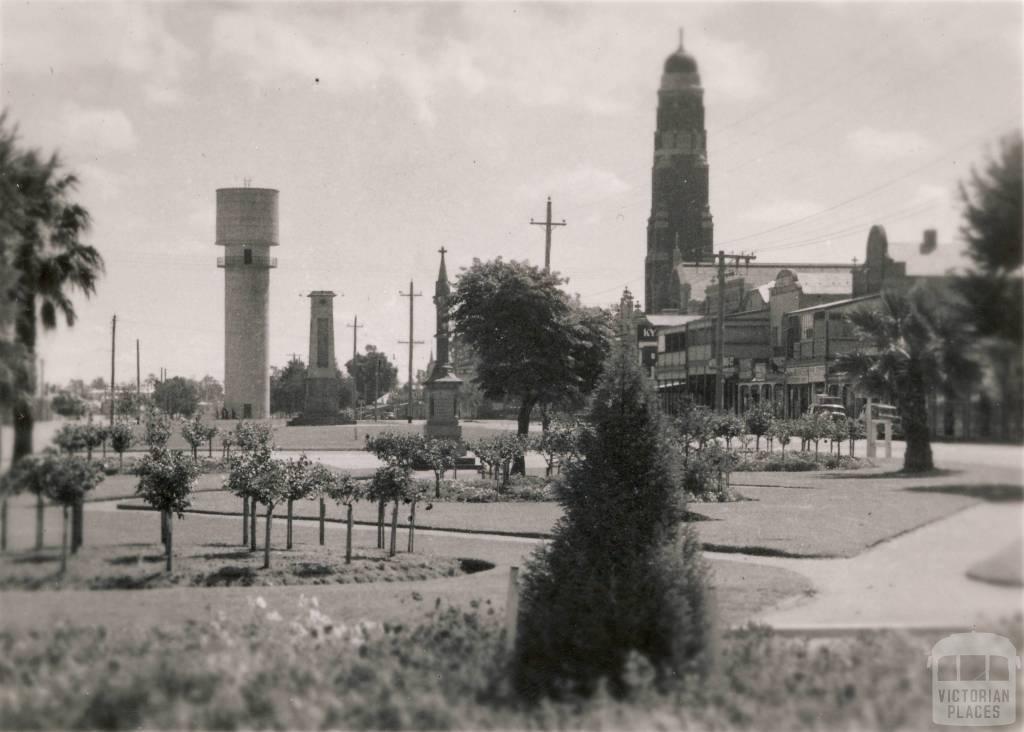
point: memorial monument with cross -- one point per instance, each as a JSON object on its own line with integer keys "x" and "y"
{"x": 442, "y": 385}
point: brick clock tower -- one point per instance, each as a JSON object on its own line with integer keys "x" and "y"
{"x": 680, "y": 226}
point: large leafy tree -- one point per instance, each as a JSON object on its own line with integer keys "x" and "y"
{"x": 288, "y": 387}
{"x": 991, "y": 291}
{"x": 42, "y": 228}
{"x": 373, "y": 374}
{"x": 535, "y": 344}
{"x": 914, "y": 345}
{"x": 177, "y": 396}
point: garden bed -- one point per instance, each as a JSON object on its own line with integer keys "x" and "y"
{"x": 263, "y": 669}
{"x": 141, "y": 566}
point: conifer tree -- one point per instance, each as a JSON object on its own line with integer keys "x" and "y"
{"x": 623, "y": 574}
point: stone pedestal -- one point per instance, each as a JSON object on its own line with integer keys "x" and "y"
{"x": 442, "y": 395}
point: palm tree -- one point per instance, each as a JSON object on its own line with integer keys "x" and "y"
{"x": 42, "y": 227}
{"x": 914, "y": 346}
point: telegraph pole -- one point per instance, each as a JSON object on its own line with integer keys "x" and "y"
{"x": 547, "y": 224}
{"x": 354, "y": 325}
{"x": 113, "y": 337}
{"x": 376, "y": 383}
{"x": 411, "y": 294}
{"x": 720, "y": 325}
{"x": 138, "y": 385}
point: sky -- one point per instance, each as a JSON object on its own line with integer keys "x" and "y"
{"x": 392, "y": 130}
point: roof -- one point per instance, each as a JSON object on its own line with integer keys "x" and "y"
{"x": 765, "y": 290}
{"x": 835, "y": 303}
{"x": 667, "y": 320}
{"x": 825, "y": 283}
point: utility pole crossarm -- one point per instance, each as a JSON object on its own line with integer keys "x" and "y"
{"x": 548, "y": 224}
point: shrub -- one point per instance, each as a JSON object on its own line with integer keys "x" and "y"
{"x": 706, "y": 474}
{"x": 559, "y": 443}
{"x": 440, "y": 455}
{"x": 397, "y": 449}
{"x": 391, "y": 484}
{"x": 70, "y": 438}
{"x": 623, "y": 574}
{"x": 67, "y": 479}
{"x": 727, "y": 426}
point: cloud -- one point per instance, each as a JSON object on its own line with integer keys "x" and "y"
{"x": 730, "y": 68}
{"x": 346, "y": 53}
{"x": 99, "y": 129}
{"x": 781, "y": 211}
{"x": 64, "y": 39}
{"x": 581, "y": 185}
{"x": 886, "y": 145}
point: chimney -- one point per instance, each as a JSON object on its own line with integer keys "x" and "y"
{"x": 930, "y": 241}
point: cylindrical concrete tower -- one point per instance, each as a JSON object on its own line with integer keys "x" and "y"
{"x": 247, "y": 228}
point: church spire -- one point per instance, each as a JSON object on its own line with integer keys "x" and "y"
{"x": 441, "y": 287}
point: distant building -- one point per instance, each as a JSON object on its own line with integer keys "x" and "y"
{"x": 680, "y": 226}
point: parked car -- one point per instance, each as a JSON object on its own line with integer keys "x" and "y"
{"x": 828, "y": 405}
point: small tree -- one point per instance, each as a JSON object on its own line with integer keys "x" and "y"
{"x": 270, "y": 487}
{"x": 782, "y": 430}
{"x": 28, "y": 475}
{"x": 194, "y": 432}
{"x": 440, "y": 455}
{"x": 839, "y": 434}
{"x": 728, "y": 426}
{"x": 320, "y": 479}
{"x": 212, "y": 431}
{"x": 255, "y": 444}
{"x": 759, "y": 420}
{"x": 558, "y": 444}
{"x": 227, "y": 440}
{"x": 856, "y": 431}
{"x": 345, "y": 491}
{"x": 622, "y": 575}
{"x": 166, "y": 481}
{"x": 396, "y": 450}
{"x": 68, "y": 478}
{"x": 158, "y": 430}
{"x": 298, "y": 487}
{"x": 390, "y": 484}
{"x": 70, "y": 438}
{"x": 121, "y": 438}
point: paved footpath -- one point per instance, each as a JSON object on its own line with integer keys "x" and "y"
{"x": 915, "y": 580}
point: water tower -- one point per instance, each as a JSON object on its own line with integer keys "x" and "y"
{"x": 247, "y": 228}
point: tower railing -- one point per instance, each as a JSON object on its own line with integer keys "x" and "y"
{"x": 254, "y": 261}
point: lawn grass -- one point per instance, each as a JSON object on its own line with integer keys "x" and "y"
{"x": 141, "y": 566}
{"x": 742, "y": 590}
{"x": 1003, "y": 568}
{"x": 815, "y": 517}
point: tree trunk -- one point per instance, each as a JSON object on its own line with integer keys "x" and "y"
{"x": 170, "y": 541}
{"x": 323, "y": 514}
{"x": 3, "y": 525}
{"x": 120, "y": 462}
{"x": 64, "y": 540}
{"x": 523, "y": 420}
{"x": 288, "y": 531}
{"x": 245, "y": 520}
{"x": 412, "y": 526}
{"x": 437, "y": 485}
{"x": 380, "y": 524}
{"x": 25, "y": 334}
{"x": 914, "y": 413}
{"x": 266, "y": 544}
{"x": 104, "y": 449}
{"x": 209, "y": 445}
{"x": 163, "y": 528}
{"x": 77, "y": 525}
{"x": 252, "y": 524}
{"x": 393, "y": 550}
{"x": 348, "y": 536}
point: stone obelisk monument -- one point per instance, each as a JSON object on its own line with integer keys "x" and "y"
{"x": 322, "y": 386}
{"x": 442, "y": 386}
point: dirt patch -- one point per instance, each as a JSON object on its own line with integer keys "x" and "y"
{"x": 140, "y": 568}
